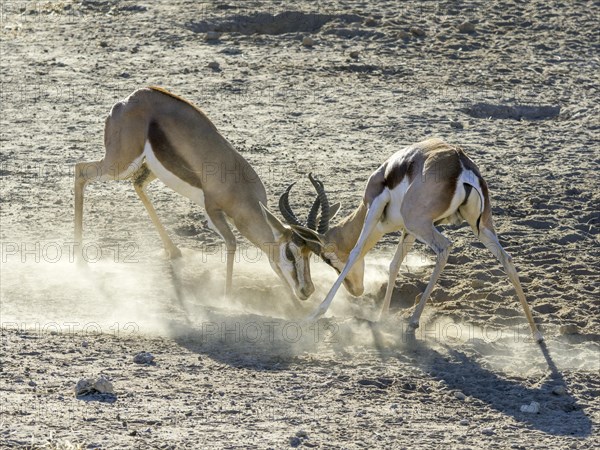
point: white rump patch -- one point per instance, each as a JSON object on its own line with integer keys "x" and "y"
{"x": 469, "y": 177}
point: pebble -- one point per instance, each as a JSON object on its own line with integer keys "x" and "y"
{"x": 464, "y": 422}
{"x": 295, "y": 441}
{"x": 371, "y": 22}
{"x": 569, "y": 329}
{"x": 143, "y": 358}
{"x": 403, "y": 34}
{"x": 417, "y": 31}
{"x": 532, "y": 408}
{"x": 466, "y": 27}
{"x": 459, "y": 126}
{"x": 32, "y": 383}
{"x": 214, "y": 65}
{"x": 559, "y": 390}
{"x": 487, "y": 431}
{"x": 307, "y": 41}
{"x": 104, "y": 386}
{"x": 90, "y": 385}
{"x": 459, "y": 395}
{"x": 212, "y": 36}
{"x": 84, "y": 344}
{"x": 354, "y": 54}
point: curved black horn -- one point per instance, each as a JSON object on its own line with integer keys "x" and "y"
{"x": 311, "y": 221}
{"x": 324, "y": 201}
{"x": 285, "y": 209}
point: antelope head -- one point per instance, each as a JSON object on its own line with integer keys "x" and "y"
{"x": 289, "y": 256}
{"x": 317, "y": 237}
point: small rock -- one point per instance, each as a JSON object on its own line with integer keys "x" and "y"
{"x": 32, "y": 383}
{"x": 84, "y": 344}
{"x": 295, "y": 441}
{"x": 90, "y": 385}
{"x": 488, "y": 431}
{"x": 143, "y": 358}
{"x": 354, "y": 54}
{"x": 403, "y": 34}
{"x": 103, "y": 44}
{"x": 459, "y": 395}
{"x": 417, "y": 31}
{"x": 104, "y": 386}
{"x": 457, "y": 125}
{"x": 464, "y": 422}
{"x": 371, "y": 22}
{"x": 532, "y": 408}
{"x": 559, "y": 390}
{"x": 569, "y": 329}
{"x": 212, "y": 36}
{"x": 125, "y": 75}
{"x": 466, "y": 27}
{"x": 302, "y": 434}
{"x": 214, "y": 65}
{"x": 307, "y": 41}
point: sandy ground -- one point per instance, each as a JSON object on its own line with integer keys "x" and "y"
{"x": 244, "y": 372}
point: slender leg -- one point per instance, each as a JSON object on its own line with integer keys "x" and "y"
{"x": 141, "y": 180}
{"x": 441, "y": 246}
{"x": 490, "y": 240}
{"x": 373, "y": 215}
{"x": 219, "y": 223}
{"x": 406, "y": 242}
{"x": 85, "y": 172}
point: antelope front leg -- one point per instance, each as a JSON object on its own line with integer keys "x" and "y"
{"x": 373, "y": 215}
{"x": 218, "y": 223}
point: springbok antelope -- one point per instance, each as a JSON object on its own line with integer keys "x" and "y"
{"x": 156, "y": 134}
{"x": 424, "y": 185}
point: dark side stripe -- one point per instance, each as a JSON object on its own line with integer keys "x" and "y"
{"x": 168, "y": 156}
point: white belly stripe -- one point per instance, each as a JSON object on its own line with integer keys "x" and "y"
{"x": 170, "y": 179}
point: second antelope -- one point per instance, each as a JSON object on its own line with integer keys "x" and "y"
{"x": 419, "y": 187}
{"x": 155, "y": 134}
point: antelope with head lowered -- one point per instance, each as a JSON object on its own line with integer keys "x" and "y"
{"x": 424, "y": 185}
{"x": 155, "y": 134}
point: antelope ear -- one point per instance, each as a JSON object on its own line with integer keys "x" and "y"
{"x": 333, "y": 210}
{"x": 274, "y": 223}
{"x": 308, "y": 235}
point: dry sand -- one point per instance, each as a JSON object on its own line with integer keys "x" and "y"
{"x": 243, "y": 373}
